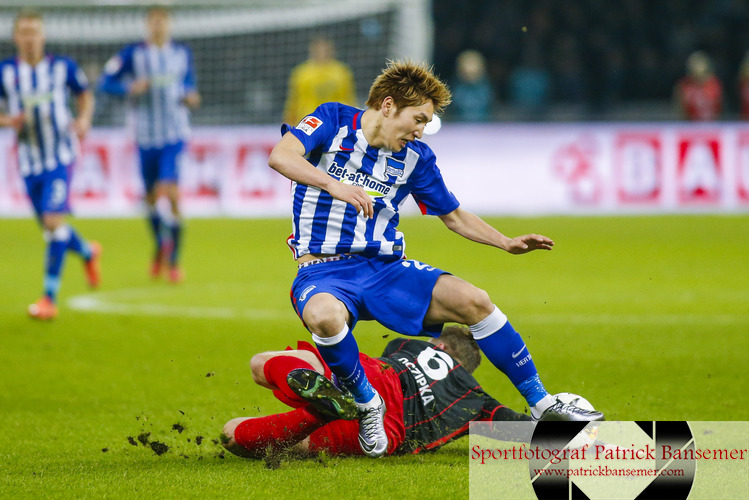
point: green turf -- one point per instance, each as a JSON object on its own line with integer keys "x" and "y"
{"x": 645, "y": 316}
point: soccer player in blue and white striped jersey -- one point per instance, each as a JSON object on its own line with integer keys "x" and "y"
{"x": 35, "y": 88}
{"x": 158, "y": 76}
{"x": 351, "y": 170}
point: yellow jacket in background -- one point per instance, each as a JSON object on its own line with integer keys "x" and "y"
{"x": 313, "y": 83}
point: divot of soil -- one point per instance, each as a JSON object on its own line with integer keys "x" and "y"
{"x": 159, "y": 448}
{"x": 143, "y": 438}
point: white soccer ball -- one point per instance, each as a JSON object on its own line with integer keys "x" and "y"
{"x": 574, "y": 399}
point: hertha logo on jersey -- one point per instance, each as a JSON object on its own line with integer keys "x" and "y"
{"x": 394, "y": 168}
{"x": 309, "y": 124}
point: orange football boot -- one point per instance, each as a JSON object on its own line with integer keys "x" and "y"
{"x": 176, "y": 274}
{"x": 43, "y": 309}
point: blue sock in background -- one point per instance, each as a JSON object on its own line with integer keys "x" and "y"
{"x": 155, "y": 222}
{"x": 57, "y": 245}
{"x": 78, "y": 245}
{"x": 175, "y": 229}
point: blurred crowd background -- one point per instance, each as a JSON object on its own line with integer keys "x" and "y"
{"x": 505, "y": 60}
{"x": 590, "y": 59}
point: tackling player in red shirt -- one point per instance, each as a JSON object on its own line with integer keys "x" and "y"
{"x": 429, "y": 392}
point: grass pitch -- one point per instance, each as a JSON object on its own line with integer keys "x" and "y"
{"x": 647, "y": 317}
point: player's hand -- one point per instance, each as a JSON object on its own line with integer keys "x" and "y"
{"x": 139, "y": 87}
{"x": 191, "y": 100}
{"x": 15, "y": 122}
{"x": 353, "y": 195}
{"x": 528, "y": 243}
{"x": 81, "y": 126}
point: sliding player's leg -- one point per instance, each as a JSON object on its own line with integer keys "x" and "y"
{"x": 340, "y": 437}
{"x": 335, "y": 436}
{"x": 271, "y": 369}
{"x": 326, "y": 317}
{"x": 253, "y": 437}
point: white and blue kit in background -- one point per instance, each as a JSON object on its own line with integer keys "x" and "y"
{"x": 47, "y": 143}
{"x": 47, "y": 146}
{"x": 162, "y": 120}
{"x": 162, "y": 123}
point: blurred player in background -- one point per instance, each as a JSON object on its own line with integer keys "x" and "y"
{"x": 744, "y": 87}
{"x": 158, "y": 77}
{"x": 35, "y": 87}
{"x": 699, "y": 94}
{"x": 473, "y": 96}
{"x": 351, "y": 170}
{"x": 430, "y": 394}
{"x": 322, "y": 78}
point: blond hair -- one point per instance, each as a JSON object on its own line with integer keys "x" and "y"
{"x": 27, "y": 14}
{"x": 409, "y": 84}
{"x": 158, "y": 10}
{"x": 459, "y": 344}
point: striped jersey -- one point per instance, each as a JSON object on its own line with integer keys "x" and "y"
{"x": 334, "y": 143}
{"x": 42, "y": 94}
{"x": 160, "y": 116}
{"x": 440, "y": 398}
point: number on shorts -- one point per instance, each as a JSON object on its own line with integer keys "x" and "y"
{"x": 418, "y": 265}
{"x": 59, "y": 192}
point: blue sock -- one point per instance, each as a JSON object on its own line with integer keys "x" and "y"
{"x": 506, "y": 350}
{"x": 78, "y": 245}
{"x": 154, "y": 220}
{"x": 175, "y": 230}
{"x": 57, "y": 244}
{"x": 341, "y": 354}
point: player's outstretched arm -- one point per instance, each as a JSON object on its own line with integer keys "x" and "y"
{"x": 287, "y": 158}
{"x": 474, "y": 228}
{"x": 84, "y": 113}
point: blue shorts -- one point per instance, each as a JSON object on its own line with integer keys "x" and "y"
{"x": 49, "y": 191}
{"x": 395, "y": 293}
{"x": 160, "y": 164}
